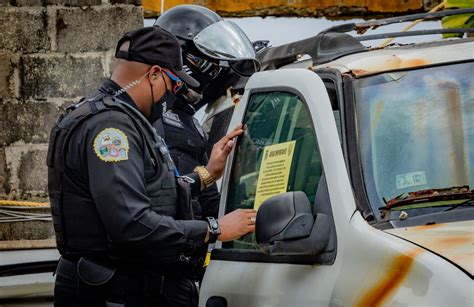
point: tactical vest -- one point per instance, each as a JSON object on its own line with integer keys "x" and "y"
{"x": 187, "y": 147}
{"x": 161, "y": 187}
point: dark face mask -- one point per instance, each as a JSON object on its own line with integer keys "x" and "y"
{"x": 163, "y": 104}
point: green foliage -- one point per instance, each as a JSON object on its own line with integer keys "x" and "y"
{"x": 459, "y": 4}
{"x": 458, "y": 21}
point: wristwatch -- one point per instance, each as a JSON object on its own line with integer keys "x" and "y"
{"x": 214, "y": 231}
{"x": 204, "y": 175}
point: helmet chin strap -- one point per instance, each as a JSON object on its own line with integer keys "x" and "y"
{"x": 193, "y": 97}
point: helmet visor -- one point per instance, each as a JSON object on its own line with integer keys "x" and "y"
{"x": 224, "y": 40}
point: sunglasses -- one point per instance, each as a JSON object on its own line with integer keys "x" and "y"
{"x": 178, "y": 84}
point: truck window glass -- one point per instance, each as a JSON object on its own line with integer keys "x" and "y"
{"x": 218, "y": 127}
{"x": 273, "y": 118}
{"x": 332, "y": 94}
{"x": 416, "y": 132}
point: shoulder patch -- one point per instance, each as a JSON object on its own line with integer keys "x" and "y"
{"x": 111, "y": 145}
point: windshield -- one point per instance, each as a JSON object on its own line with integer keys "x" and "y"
{"x": 416, "y": 132}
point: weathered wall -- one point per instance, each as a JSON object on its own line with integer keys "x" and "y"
{"x": 309, "y": 8}
{"x": 52, "y": 52}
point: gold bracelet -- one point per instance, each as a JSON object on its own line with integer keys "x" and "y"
{"x": 204, "y": 175}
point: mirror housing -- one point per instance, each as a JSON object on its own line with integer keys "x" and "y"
{"x": 285, "y": 225}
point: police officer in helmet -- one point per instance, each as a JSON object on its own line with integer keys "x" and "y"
{"x": 216, "y": 52}
{"x": 121, "y": 211}
{"x": 193, "y": 26}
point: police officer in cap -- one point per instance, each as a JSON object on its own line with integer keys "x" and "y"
{"x": 121, "y": 210}
{"x": 182, "y": 132}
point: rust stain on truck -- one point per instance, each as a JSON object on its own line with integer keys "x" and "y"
{"x": 393, "y": 277}
{"x": 383, "y": 64}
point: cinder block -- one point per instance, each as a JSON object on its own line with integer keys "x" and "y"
{"x": 27, "y": 230}
{"x": 95, "y": 28}
{"x": 4, "y": 174}
{"x": 8, "y": 78}
{"x": 26, "y": 166}
{"x": 33, "y": 173}
{"x": 24, "y": 29}
{"x": 28, "y": 2}
{"x": 28, "y": 122}
{"x": 60, "y": 75}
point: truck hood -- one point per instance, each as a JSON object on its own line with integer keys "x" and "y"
{"x": 454, "y": 241}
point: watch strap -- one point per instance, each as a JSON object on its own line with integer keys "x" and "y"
{"x": 214, "y": 229}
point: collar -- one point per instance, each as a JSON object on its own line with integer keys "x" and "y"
{"x": 110, "y": 87}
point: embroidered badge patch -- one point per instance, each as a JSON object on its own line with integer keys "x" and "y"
{"x": 111, "y": 145}
{"x": 172, "y": 119}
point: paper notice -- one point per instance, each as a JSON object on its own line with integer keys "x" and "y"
{"x": 274, "y": 171}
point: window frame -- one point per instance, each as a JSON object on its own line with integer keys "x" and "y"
{"x": 244, "y": 255}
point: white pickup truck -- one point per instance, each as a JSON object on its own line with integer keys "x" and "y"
{"x": 361, "y": 164}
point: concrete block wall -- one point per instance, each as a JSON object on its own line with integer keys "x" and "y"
{"x": 52, "y": 52}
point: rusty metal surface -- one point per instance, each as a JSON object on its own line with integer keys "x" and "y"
{"x": 388, "y": 59}
{"x": 394, "y": 276}
{"x": 454, "y": 241}
{"x": 434, "y": 194}
{"x": 308, "y": 8}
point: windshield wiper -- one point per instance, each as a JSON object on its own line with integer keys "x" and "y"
{"x": 430, "y": 195}
{"x": 468, "y": 202}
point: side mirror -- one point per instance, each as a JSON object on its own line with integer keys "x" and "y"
{"x": 285, "y": 225}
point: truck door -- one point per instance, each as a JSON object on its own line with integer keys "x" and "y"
{"x": 282, "y": 111}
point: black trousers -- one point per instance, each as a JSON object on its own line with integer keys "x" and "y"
{"x": 128, "y": 289}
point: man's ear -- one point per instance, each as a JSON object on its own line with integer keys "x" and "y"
{"x": 158, "y": 77}
{"x": 155, "y": 74}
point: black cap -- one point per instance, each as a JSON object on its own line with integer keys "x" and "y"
{"x": 154, "y": 46}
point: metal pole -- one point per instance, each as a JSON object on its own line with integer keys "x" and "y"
{"x": 436, "y": 8}
{"x": 162, "y": 7}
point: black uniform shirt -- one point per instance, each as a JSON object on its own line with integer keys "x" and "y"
{"x": 110, "y": 169}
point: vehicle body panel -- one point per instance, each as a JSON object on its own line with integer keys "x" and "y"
{"x": 395, "y": 58}
{"x": 454, "y": 241}
{"x": 16, "y": 281}
{"x": 372, "y": 267}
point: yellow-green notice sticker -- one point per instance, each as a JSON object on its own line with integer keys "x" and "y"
{"x": 274, "y": 171}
